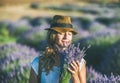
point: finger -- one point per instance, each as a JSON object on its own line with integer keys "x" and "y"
{"x": 75, "y": 64}
{"x": 69, "y": 69}
{"x": 73, "y": 67}
{"x": 78, "y": 63}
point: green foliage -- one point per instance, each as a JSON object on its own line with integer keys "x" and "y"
{"x": 4, "y": 40}
{"x": 64, "y": 7}
{"x": 104, "y": 1}
{"x": 10, "y": 67}
{"x": 4, "y": 32}
{"x": 38, "y": 21}
{"x": 18, "y": 30}
{"x": 105, "y": 20}
{"x": 22, "y": 77}
{"x": 111, "y": 60}
{"x": 96, "y": 27}
{"x": 99, "y": 44}
{"x": 85, "y": 21}
{"x": 3, "y": 29}
{"x": 32, "y": 37}
{"x": 35, "y": 5}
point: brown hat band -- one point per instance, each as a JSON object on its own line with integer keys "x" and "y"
{"x": 64, "y": 25}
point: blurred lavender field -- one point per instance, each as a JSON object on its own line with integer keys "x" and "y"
{"x": 98, "y": 25}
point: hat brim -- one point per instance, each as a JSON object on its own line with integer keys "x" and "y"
{"x": 57, "y": 29}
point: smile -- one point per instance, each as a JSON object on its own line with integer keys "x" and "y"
{"x": 65, "y": 43}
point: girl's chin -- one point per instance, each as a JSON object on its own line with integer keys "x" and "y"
{"x": 65, "y": 45}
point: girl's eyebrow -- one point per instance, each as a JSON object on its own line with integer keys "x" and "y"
{"x": 60, "y": 32}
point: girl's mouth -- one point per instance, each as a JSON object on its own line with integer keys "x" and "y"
{"x": 65, "y": 43}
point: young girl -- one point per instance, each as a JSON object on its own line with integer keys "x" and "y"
{"x": 46, "y": 68}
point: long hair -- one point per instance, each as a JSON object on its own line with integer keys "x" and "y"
{"x": 47, "y": 60}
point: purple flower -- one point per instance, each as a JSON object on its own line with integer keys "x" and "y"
{"x": 72, "y": 53}
{"x": 15, "y": 62}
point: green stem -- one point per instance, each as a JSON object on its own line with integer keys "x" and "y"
{"x": 66, "y": 76}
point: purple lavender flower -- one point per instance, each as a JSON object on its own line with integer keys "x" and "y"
{"x": 14, "y": 62}
{"x": 72, "y": 53}
{"x": 95, "y": 77}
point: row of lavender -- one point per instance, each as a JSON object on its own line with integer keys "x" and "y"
{"x": 103, "y": 55}
{"x": 15, "y": 60}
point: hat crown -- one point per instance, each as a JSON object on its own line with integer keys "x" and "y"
{"x": 61, "y": 24}
{"x": 61, "y": 19}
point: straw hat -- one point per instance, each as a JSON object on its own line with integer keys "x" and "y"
{"x": 61, "y": 24}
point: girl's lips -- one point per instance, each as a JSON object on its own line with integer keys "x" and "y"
{"x": 65, "y": 43}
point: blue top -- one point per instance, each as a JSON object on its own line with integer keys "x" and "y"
{"x": 52, "y": 77}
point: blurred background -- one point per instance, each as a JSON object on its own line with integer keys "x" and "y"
{"x": 22, "y": 35}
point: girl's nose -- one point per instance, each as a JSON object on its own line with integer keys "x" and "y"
{"x": 65, "y": 35}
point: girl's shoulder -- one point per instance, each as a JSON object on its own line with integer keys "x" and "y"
{"x": 82, "y": 62}
{"x": 35, "y": 64}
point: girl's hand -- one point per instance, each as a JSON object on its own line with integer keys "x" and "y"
{"x": 74, "y": 70}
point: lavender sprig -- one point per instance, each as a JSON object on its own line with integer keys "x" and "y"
{"x": 72, "y": 53}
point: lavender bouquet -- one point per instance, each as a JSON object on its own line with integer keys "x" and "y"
{"x": 72, "y": 53}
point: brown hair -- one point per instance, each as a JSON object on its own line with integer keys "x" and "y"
{"x": 47, "y": 60}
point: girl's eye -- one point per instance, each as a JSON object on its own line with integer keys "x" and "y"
{"x": 61, "y": 33}
{"x": 69, "y": 33}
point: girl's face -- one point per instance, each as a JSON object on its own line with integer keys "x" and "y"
{"x": 64, "y": 39}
